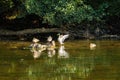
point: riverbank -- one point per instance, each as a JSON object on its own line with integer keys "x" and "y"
{"x": 28, "y": 34}
{"x": 43, "y": 33}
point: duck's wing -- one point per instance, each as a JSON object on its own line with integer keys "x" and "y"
{"x": 65, "y": 37}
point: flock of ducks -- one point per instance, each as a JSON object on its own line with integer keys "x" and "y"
{"x": 36, "y": 48}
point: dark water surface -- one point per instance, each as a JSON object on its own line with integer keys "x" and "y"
{"x": 76, "y": 62}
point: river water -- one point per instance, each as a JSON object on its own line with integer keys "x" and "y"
{"x": 73, "y": 61}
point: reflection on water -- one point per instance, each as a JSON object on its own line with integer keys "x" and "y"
{"x": 37, "y": 50}
{"x": 62, "y": 53}
{"x": 67, "y": 62}
{"x": 51, "y": 53}
{"x": 36, "y": 54}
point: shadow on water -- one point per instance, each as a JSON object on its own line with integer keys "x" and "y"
{"x": 73, "y": 61}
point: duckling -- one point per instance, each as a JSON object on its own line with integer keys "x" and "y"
{"x": 61, "y": 38}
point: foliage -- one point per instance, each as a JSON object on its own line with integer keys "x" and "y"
{"x": 62, "y": 12}
{"x": 114, "y": 8}
{"x": 5, "y": 5}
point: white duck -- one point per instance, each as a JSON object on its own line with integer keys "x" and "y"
{"x": 62, "y": 53}
{"x": 62, "y": 38}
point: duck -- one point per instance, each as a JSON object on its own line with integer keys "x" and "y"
{"x": 61, "y": 38}
{"x": 36, "y": 48}
{"x": 92, "y": 46}
{"x": 50, "y": 46}
{"x": 50, "y": 43}
{"x": 35, "y": 43}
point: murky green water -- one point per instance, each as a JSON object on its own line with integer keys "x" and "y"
{"x": 76, "y": 62}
